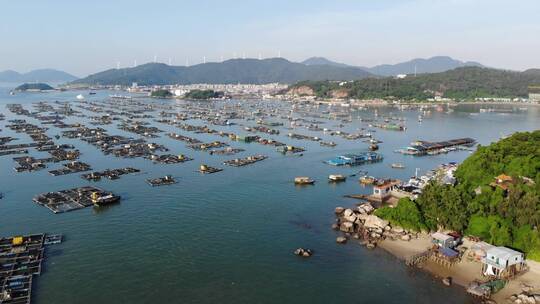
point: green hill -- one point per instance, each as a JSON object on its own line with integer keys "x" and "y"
{"x": 502, "y": 213}
{"x": 231, "y": 71}
{"x": 34, "y": 87}
{"x": 460, "y": 83}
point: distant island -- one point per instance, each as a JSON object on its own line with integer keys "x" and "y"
{"x": 33, "y": 87}
{"x": 161, "y": 93}
{"x": 203, "y": 94}
{"x": 41, "y": 75}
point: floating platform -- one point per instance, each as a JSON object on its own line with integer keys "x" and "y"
{"x": 355, "y": 159}
{"x": 421, "y": 147}
{"x": 240, "y": 162}
{"x": 109, "y": 173}
{"x": 74, "y": 199}
{"x": 161, "y": 181}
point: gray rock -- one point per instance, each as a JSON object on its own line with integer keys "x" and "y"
{"x": 406, "y": 237}
{"x": 339, "y": 210}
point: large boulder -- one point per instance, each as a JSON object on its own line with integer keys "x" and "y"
{"x": 347, "y": 212}
{"x": 350, "y": 218}
{"x": 397, "y": 229}
{"x": 373, "y": 221}
{"x": 339, "y": 210}
{"x": 346, "y": 227}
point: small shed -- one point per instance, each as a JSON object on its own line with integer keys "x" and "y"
{"x": 443, "y": 240}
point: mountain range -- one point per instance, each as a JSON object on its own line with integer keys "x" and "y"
{"x": 41, "y": 75}
{"x": 230, "y": 71}
{"x": 264, "y": 71}
{"x": 435, "y": 64}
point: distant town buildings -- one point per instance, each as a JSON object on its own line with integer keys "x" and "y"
{"x": 534, "y": 93}
{"x": 246, "y": 90}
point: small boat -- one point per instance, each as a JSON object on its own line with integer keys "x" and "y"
{"x": 398, "y": 166}
{"x": 91, "y": 93}
{"x": 80, "y": 97}
{"x": 337, "y": 178}
{"x": 303, "y": 180}
{"x": 11, "y": 93}
{"x": 367, "y": 180}
{"x": 373, "y": 147}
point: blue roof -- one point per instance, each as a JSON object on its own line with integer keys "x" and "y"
{"x": 451, "y": 253}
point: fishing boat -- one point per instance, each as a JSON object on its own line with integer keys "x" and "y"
{"x": 303, "y": 180}
{"x": 398, "y": 166}
{"x": 80, "y": 97}
{"x": 337, "y": 178}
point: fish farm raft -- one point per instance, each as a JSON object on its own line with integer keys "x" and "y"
{"x": 20, "y": 260}
{"x": 77, "y": 198}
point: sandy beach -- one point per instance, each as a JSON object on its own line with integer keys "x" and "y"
{"x": 465, "y": 271}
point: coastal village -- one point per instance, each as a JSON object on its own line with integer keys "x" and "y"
{"x": 485, "y": 270}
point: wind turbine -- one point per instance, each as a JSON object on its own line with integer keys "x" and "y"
{"x": 118, "y": 65}
{"x": 155, "y": 58}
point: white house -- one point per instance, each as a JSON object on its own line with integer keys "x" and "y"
{"x": 502, "y": 262}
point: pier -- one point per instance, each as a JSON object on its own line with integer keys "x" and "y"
{"x": 421, "y": 147}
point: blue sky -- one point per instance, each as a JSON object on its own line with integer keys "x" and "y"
{"x": 84, "y": 37}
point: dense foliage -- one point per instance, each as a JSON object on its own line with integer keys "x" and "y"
{"x": 505, "y": 217}
{"x": 203, "y": 94}
{"x": 460, "y": 83}
{"x": 406, "y": 214}
{"x": 161, "y": 94}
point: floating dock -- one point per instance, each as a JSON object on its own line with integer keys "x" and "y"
{"x": 421, "y": 147}
{"x": 355, "y": 159}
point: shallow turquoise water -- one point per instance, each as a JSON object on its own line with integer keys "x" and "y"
{"x": 228, "y": 237}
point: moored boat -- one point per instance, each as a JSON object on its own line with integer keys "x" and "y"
{"x": 303, "y": 180}
{"x": 336, "y": 178}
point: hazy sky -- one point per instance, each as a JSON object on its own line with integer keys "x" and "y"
{"x": 84, "y": 37}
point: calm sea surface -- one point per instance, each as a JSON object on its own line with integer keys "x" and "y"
{"x": 228, "y": 237}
